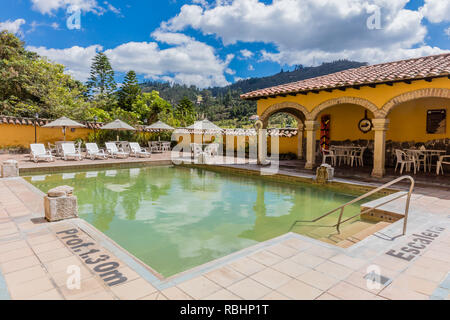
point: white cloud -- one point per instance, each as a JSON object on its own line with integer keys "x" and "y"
{"x": 436, "y": 11}
{"x": 246, "y": 54}
{"x": 51, "y": 6}
{"x": 447, "y": 32}
{"x": 302, "y": 29}
{"x": 186, "y": 60}
{"x": 77, "y": 59}
{"x": 378, "y": 55}
{"x": 12, "y": 26}
{"x": 251, "y": 68}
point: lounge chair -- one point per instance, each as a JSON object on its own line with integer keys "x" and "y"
{"x": 38, "y": 152}
{"x": 93, "y": 152}
{"x": 112, "y": 150}
{"x": 70, "y": 152}
{"x": 137, "y": 151}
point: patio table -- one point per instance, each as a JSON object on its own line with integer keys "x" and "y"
{"x": 429, "y": 155}
{"x": 344, "y": 152}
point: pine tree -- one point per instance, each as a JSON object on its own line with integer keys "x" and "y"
{"x": 129, "y": 92}
{"x": 185, "y": 112}
{"x": 101, "y": 82}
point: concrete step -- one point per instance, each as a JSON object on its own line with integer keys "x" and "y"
{"x": 347, "y": 230}
{"x": 357, "y": 237}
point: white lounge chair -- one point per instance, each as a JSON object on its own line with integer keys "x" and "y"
{"x": 112, "y": 150}
{"x": 38, "y": 152}
{"x": 93, "y": 152}
{"x": 137, "y": 151}
{"x": 70, "y": 152}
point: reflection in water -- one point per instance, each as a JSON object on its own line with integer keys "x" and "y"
{"x": 177, "y": 218}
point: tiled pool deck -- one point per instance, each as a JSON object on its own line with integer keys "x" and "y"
{"x": 35, "y": 257}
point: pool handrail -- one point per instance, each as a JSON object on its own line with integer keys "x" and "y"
{"x": 368, "y": 194}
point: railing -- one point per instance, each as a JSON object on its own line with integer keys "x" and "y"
{"x": 368, "y": 194}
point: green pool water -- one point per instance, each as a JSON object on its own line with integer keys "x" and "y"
{"x": 176, "y": 218}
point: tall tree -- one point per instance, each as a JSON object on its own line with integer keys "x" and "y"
{"x": 129, "y": 92}
{"x": 185, "y": 112}
{"x": 101, "y": 82}
{"x": 30, "y": 83}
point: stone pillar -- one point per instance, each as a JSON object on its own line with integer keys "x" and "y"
{"x": 380, "y": 126}
{"x": 311, "y": 127}
{"x": 300, "y": 141}
{"x": 262, "y": 146}
{"x": 10, "y": 169}
{"x": 60, "y": 204}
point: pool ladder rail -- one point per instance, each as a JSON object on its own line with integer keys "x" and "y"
{"x": 368, "y": 194}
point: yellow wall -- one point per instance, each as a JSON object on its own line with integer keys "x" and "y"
{"x": 23, "y": 135}
{"x": 408, "y": 121}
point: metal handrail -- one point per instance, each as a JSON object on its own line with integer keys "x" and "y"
{"x": 368, "y": 194}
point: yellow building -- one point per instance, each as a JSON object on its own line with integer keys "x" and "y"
{"x": 402, "y": 101}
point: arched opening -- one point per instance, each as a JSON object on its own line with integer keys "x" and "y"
{"x": 343, "y": 125}
{"x": 417, "y": 123}
{"x": 289, "y": 118}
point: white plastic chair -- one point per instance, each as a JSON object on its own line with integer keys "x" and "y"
{"x": 404, "y": 160}
{"x": 442, "y": 160}
{"x": 93, "y": 152}
{"x": 196, "y": 150}
{"x": 112, "y": 150}
{"x": 69, "y": 152}
{"x": 328, "y": 154}
{"x": 154, "y": 146}
{"x": 137, "y": 151}
{"x": 38, "y": 152}
{"x": 212, "y": 149}
{"x": 357, "y": 157}
{"x": 419, "y": 157}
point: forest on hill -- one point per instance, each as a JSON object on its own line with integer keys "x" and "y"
{"x": 223, "y": 104}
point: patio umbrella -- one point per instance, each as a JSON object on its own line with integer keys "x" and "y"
{"x": 204, "y": 125}
{"x": 118, "y": 125}
{"x": 64, "y": 123}
{"x": 159, "y": 126}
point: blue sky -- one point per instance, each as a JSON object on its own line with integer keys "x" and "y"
{"x": 214, "y": 43}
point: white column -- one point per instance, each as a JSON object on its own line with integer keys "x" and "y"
{"x": 300, "y": 141}
{"x": 262, "y": 146}
{"x": 311, "y": 127}
{"x": 380, "y": 126}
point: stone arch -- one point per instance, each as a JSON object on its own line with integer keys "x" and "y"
{"x": 345, "y": 100}
{"x": 299, "y": 112}
{"x": 413, "y": 95}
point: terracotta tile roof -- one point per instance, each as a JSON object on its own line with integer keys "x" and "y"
{"x": 41, "y": 122}
{"x": 418, "y": 68}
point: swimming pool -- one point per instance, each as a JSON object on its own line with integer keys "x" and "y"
{"x": 176, "y": 218}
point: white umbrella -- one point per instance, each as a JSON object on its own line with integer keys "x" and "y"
{"x": 159, "y": 126}
{"x": 64, "y": 123}
{"x": 204, "y": 125}
{"x": 118, "y": 125}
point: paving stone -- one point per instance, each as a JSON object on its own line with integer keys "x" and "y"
{"x": 265, "y": 257}
{"x": 271, "y": 278}
{"x": 134, "y": 289}
{"x": 224, "y": 276}
{"x": 317, "y": 280}
{"x": 298, "y": 290}
{"x": 247, "y": 266}
{"x": 346, "y": 291}
{"x": 199, "y": 287}
{"x": 249, "y": 289}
